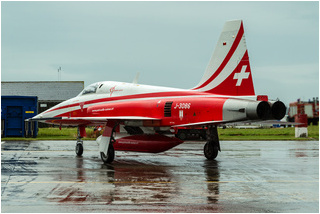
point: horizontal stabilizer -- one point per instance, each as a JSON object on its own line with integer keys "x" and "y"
{"x": 278, "y": 122}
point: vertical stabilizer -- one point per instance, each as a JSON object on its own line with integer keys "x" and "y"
{"x": 229, "y": 72}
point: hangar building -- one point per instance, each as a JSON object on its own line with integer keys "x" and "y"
{"x": 49, "y": 93}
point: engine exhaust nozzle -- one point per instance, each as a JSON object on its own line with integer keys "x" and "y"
{"x": 258, "y": 110}
{"x": 278, "y": 110}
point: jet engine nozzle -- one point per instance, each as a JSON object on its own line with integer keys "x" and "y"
{"x": 278, "y": 110}
{"x": 258, "y": 110}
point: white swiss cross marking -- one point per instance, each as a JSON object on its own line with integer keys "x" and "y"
{"x": 181, "y": 114}
{"x": 242, "y": 75}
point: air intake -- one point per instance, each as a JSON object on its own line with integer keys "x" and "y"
{"x": 167, "y": 109}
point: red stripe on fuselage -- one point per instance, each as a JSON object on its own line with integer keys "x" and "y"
{"x": 226, "y": 60}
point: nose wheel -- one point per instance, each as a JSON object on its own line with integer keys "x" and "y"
{"x": 79, "y": 145}
{"x": 79, "y": 148}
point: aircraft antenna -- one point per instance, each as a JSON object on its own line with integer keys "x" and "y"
{"x": 59, "y": 73}
{"x": 135, "y": 80}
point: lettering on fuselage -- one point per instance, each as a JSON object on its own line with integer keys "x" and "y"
{"x": 128, "y": 142}
{"x": 102, "y": 109}
{"x": 113, "y": 89}
{"x": 182, "y": 106}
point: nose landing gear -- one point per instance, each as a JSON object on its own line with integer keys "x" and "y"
{"x": 79, "y": 145}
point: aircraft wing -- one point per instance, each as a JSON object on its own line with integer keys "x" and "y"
{"x": 105, "y": 119}
{"x": 94, "y": 119}
{"x": 112, "y": 118}
{"x": 43, "y": 118}
{"x": 219, "y": 122}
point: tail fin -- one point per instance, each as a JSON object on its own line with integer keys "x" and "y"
{"x": 228, "y": 72}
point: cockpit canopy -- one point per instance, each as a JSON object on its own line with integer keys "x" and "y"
{"x": 111, "y": 88}
{"x": 91, "y": 89}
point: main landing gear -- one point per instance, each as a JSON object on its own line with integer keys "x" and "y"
{"x": 212, "y": 146}
{"x": 110, "y": 154}
{"x": 106, "y": 142}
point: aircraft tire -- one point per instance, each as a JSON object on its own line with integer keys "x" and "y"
{"x": 110, "y": 157}
{"x": 182, "y": 135}
{"x": 210, "y": 151}
{"x": 79, "y": 149}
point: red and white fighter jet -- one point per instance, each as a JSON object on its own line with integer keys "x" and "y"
{"x": 224, "y": 94}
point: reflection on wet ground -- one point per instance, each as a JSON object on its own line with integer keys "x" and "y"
{"x": 46, "y": 176}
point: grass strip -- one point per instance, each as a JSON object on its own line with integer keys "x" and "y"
{"x": 271, "y": 134}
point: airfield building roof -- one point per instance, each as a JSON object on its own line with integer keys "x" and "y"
{"x": 45, "y": 90}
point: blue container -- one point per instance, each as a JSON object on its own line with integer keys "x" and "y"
{"x": 14, "y": 111}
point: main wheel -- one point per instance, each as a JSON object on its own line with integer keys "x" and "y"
{"x": 210, "y": 151}
{"x": 79, "y": 149}
{"x": 110, "y": 157}
{"x": 182, "y": 135}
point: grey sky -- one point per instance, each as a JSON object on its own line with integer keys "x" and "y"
{"x": 169, "y": 43}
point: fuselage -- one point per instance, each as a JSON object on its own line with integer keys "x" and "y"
{"x": 163, "y": 106}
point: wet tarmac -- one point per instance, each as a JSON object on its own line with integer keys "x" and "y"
{"x": 46, "y": 176}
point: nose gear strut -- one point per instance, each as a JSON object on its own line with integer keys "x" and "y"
{"x": 79, "y": 145}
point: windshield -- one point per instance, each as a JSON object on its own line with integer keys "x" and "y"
{"x": 91, "y": 89}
